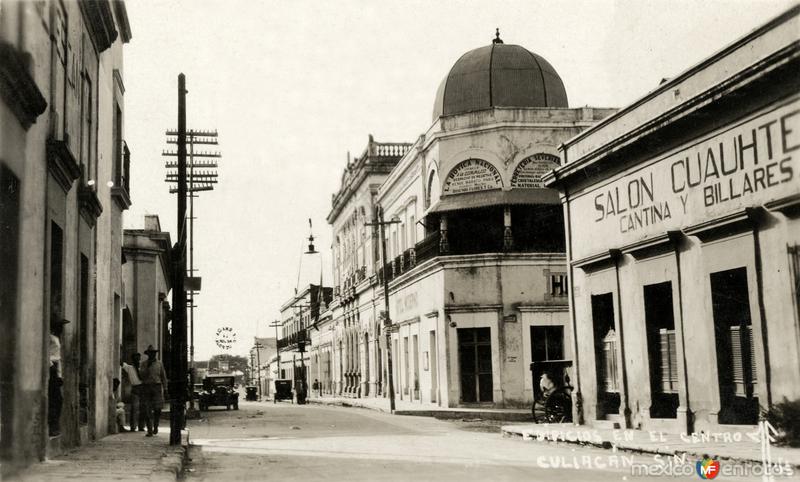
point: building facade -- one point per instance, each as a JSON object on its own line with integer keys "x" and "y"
{"x": 339, "y": 346}
{"x": 300, "y": 317}
{"x": 475, "y": 259}
{"x": 260, "y": 355}
{"x": 682, "y": 233}
{"x": 148, "y": 281}
{"x": 64, "y": 175}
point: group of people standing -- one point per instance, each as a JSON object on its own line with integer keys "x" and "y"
{"x": 143, "y": 385}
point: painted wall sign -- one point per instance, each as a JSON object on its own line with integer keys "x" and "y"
{"x": 750, "y": 163}
{"x": 472, "y": 175}
{"x": 529, "y": 172}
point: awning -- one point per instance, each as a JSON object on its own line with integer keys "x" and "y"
{"x": 479, "y": 199}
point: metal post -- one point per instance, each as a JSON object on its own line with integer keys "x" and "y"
{"x": 258, "y": 347}
{"x": 380, "y": 225}
{"x": 277, "y": 348}
{"x": 178, "y": 391}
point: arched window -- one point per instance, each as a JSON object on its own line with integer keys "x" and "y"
{"x": 430, "y": 188}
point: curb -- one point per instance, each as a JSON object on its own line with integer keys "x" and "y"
{"x": 510, "y": 432}
{"x": 438, "y": 414}
{"x": 172, "y": 462}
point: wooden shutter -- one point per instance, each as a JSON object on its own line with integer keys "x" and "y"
{"x": 610, "y": 362}
{"x": 669, "y": 361}
{"x": 742, "y": 360}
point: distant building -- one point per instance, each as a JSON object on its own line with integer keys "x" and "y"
{"x": 300, "y": 317}
{"x": 64, "y": 182}
{"x": 261, "y": 353}
{"x": 682, "y": 232}
{"x": 148, "y": 281}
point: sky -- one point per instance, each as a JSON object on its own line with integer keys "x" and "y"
{"x": 292, "y": 87}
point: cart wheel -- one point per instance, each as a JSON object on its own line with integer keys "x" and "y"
{"x": 558, "y": 407}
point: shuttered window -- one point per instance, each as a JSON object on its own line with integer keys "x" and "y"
{"x": 669, "y": 361}
{"x": 743, "y": 363}
{"x": 609, "y": 362}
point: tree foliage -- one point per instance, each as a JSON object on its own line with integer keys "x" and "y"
{"x": 235, "y": 362}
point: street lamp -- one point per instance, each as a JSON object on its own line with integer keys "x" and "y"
{"x": 379, "y": 225}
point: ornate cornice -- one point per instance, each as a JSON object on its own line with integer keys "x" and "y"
{"x": 121, "y": 197}
{"x": 90, "y": 206}
{"x": 122, "y": 19}
{"x": 62, "y": 164}
{"x": 17, "y": 87}
{"x": 100, "y": 21}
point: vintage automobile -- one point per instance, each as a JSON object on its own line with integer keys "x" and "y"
{"x": 218, "y": 391}
{"x": 283, "y": 391}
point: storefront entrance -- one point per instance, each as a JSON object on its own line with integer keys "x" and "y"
{"x": 605, "y": 351}
{"x": 736, "y": 362}
{"x": 475, "y": 364}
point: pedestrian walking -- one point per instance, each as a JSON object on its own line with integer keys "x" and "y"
{"x": 317, "y": 387}
{"x": 154, "y": 380}
{"x": 131, "y": 392}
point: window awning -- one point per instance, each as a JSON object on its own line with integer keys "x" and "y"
{"x": 481, "y": 199}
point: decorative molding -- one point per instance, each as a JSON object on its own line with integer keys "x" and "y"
{"x": 100, "y": 21}
{"x": 121, "y": 197}
{"x": 594, "y": 261}
{"x": 90, "y": 206}
{"x": 543, "y": 308}
{"x": 17, "y": 87}
{"x": 789, "y": 206}
{"x": 62, "y": 164}
{"x": 734, "y": 223}
{"x": 122, "y": 20}
{"x": 647, "y": 247}
{"x": 472, "y": 308}
{"x": 118, "y": 81}
{"x": 432, "y": 314}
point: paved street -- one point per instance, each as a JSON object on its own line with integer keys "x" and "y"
{"x": 290, "y": 442}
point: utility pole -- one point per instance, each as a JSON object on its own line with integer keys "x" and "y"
{"x": 276, "y": 324}
{"x": 179, "y": 392}
{"x": 379, "y": 225}
{"x": 200, "y": 180}
{"x": 258, "y": 346}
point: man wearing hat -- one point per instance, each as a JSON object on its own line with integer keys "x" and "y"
{"x": 154, "y": 380}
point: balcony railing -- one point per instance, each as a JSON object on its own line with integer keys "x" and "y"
{"x": 298, "y": 340}
{"x": 122, "y": 179}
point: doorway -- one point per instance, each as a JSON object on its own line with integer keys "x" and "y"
{"x": 736, "y": 362}
{"x": 475, "y": 364}
{"x": 605, "y": 352}
{"x": 661, "y": 350}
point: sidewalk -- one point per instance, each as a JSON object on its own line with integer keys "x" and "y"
{"x": 738, "y": 446}
{"x": 403, "y": 407}
{"x": 120, "y": 457}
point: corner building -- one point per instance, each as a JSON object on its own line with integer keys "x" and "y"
{"x": 476, "y": 260}
{"x": 682, "y": 233}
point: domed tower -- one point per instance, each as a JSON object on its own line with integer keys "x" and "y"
{"x": 499, "y": 75}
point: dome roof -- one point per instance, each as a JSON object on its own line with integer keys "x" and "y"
{"x": 499, "y": 75}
